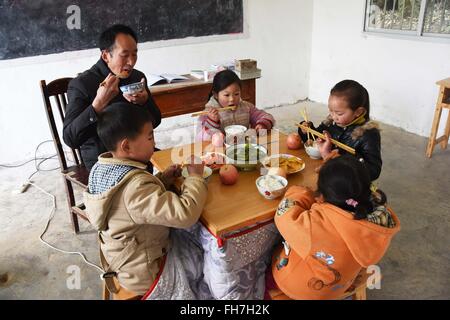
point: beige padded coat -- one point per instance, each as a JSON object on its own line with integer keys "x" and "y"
{"x": 133, "y": 219}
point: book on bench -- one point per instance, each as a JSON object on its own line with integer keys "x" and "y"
{"x": 154, "y": 79}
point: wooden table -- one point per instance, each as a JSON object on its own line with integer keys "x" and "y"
{"x": 230, "y": 208}
{"x": 192, "y": 95}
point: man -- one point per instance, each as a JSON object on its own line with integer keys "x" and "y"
{"x": 93, "y": 90}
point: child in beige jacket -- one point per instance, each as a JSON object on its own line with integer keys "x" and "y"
{"x": 133, "y": 211}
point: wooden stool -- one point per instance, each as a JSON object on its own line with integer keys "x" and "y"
{"x": 443, "y": 101}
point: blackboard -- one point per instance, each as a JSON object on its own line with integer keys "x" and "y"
{"x": 37, "y": 27}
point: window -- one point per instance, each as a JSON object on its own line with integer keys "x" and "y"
{"x": 410, "y": 17}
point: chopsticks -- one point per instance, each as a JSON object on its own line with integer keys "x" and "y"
{"x": 196, "y": 114}
{"x": 305, "y": 117}
{"x": 120, "y": 76}
{"x": 322, "y": 136}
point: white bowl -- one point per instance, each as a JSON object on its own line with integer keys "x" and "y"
{"x": 132, "y": 88}
{"x": 206, "y": 172}
{"x": 313, "y": 151}
{"x": 234, "y": 134}
{"x": 235, "y": 129}
{"x": 271, "y": 186}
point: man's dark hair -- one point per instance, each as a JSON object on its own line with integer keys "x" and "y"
{"x": 108, "y": 37}
{"x": 121, "y": 120}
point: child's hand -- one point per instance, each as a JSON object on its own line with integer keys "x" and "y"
{"x": 261, "y": 129}
{"x": 213, "y": 114}
{"x": 306, "y": 124}
{"x": 171, "y": 173}
{"x": 195, "y": 166}
{"x": 324, "y": 145}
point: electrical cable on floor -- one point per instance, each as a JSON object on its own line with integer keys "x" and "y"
{"x": 53, "y": 210}
{"x": 34, "y": 159}
{"x": 52, "y": 213}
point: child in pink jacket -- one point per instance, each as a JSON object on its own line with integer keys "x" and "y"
{"x": 226, "y": 91}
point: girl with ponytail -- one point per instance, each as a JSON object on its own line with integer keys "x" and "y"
{"x": 330, "y": 236}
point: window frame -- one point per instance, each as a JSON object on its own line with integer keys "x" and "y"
{"x": 406, "y": 34}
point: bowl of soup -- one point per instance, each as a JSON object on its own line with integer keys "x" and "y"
{"x": 246, "y": 157}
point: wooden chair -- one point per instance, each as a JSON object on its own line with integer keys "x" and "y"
{"x": 443, "y": 102}
{"x": 76, "y": 173}
{"x": 122, "y": 293}
{"x": 357, "y": 291}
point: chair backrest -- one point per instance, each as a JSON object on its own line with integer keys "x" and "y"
{"x": 58, "y": 90}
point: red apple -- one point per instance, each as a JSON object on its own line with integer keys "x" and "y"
{"x": 217, "y": 139}
{"x": 228, "y": 174}
{"x": 293, "y": 141}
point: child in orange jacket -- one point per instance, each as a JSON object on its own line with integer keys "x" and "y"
{"x": 331, "y": 238}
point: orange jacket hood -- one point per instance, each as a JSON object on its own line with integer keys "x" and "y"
{"x": 367, "y": 241}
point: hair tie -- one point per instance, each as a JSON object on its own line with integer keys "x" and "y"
{"x": 351, "y": 202}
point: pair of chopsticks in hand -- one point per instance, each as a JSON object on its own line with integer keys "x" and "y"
{"x": 120, "y": 76}
{"x": 322, "y": 136}
{"x": 305, "y": 117}
{"x": 196, "y": 114}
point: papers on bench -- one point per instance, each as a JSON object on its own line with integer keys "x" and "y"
{"x": 154, "y": 79}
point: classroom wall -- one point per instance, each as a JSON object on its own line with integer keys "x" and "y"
{"x": 278, "y": 35}
{"x": 399, "y": 74}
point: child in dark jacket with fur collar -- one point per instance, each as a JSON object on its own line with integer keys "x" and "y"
{"x": 349, "y": 123}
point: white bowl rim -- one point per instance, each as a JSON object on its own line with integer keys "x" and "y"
{"x": 241, "y": 145}
{"x": 236, "y": 126}
{"x": 185, "y": 174}
{"x": 281, "y": 178}
{"x": 139, "y": 83}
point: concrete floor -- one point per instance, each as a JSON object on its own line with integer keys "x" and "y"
{"x": 416, "y": 265}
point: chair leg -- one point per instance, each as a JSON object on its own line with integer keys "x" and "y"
{"x": 360, "y": 294}
{"x": 71, "y": 202}
{"x": 106, "y": 294}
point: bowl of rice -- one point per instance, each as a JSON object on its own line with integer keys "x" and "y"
{"x": 271, "y": 186}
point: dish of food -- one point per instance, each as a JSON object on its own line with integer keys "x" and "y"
{"x": 291, "y": 164}
{"x": 245, "y": 156}
{"x": 213, "y": 160}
